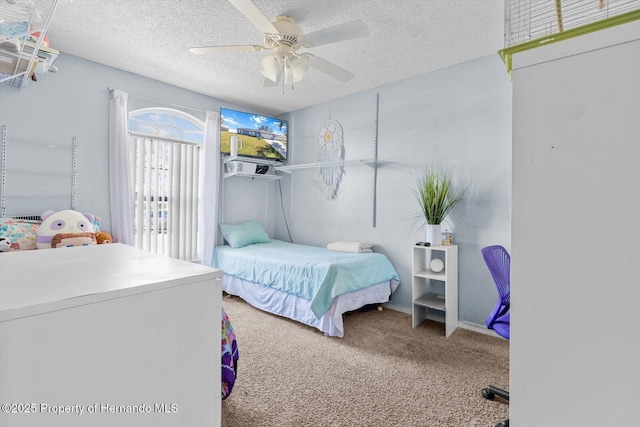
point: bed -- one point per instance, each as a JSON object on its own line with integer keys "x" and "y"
{"x": 312, "y": 285}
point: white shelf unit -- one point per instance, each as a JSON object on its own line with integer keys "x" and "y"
{"x": 18, "y": 20}
{"x": 268, "y": 176}
{"x": 367, "y": 162}
{"x": 435, "y": 294}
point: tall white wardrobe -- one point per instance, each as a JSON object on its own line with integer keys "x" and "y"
{"x": 575, "y": 278}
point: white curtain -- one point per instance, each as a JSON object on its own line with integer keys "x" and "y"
{"x": 209, "y": 186}
{"x": 120, "y": 189}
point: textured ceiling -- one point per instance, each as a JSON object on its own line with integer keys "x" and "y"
{"x": 152, "y": 38}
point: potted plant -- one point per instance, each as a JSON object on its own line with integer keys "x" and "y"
{"x": 437, "y": 194}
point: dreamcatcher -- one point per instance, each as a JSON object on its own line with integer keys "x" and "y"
{"x": 331, "y": 151}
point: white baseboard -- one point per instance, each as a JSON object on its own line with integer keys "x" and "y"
{"x": 481, "y": 329}
{"x": 397, "y": 308}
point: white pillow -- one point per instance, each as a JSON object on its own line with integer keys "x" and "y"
{"x": 356, "y": 247}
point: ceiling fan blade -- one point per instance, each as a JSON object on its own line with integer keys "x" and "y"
{"x": 255, "y": 15}
{"x": 328, "y": 68}
{"x": 226, "y": 49}
{"x": 347, "y": 31}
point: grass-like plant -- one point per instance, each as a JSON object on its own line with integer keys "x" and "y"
{"x": 437, "y": 194}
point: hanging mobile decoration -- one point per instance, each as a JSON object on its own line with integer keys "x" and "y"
{"x": 330, "y": 150}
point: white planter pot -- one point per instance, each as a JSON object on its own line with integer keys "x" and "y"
{"x": 434, "y": 234}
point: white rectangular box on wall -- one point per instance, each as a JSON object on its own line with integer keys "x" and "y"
{"x": 240, "y": 167}
{"x": 575, "y": 341}
{"x": 110, "y": 333}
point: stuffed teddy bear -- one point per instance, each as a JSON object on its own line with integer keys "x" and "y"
{"x": 103, "y": 237}
{"x": 5, "y": 244}
{"x": 62, "y": 222}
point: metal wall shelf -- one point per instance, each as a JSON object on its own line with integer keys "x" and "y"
{"x": 22, "y": 179}
{"x": 372, "y": 162}
{"x": 18, "y": 21}
{"x": 269, "y": 177}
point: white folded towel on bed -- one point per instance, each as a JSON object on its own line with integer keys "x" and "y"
{"x": 358, "y": 247}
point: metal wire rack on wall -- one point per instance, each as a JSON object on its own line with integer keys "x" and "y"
{"x": 527, "y": 20}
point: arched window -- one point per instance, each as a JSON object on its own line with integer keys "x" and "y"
{"x": 166, "y": 123}
{"x": 164, "y": 150}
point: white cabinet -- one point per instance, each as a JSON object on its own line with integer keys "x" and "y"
{"x": 575, "y": 303}
{"x": 120, "y": 336}
{"x": 434, "y": 291}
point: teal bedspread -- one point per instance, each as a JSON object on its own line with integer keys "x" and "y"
{"x": 314, "y": 273}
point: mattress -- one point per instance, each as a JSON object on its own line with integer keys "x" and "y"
{"x": 312, "y": 273}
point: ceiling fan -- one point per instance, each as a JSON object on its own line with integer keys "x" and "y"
{"x": 286, "y": 39}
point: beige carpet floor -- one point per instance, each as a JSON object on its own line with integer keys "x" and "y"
{"x": 382, "y": 373}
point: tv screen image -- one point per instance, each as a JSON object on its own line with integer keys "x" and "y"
{"x": 261, "y": 137}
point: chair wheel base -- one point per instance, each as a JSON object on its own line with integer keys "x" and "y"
{"x": 487, "y": 394}
{"x": 504, "y": 423}
{"x": 491, "y": 392}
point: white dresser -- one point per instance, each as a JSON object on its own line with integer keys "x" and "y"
{"x": 108, "y": 335}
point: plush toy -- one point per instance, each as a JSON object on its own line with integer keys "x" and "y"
{"x": 103, "y": 237}
{"x": 62, "y": 222}
{"x": 5, "y": 244}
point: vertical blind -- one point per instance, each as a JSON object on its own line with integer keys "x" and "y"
{"x": 165, "y": 181}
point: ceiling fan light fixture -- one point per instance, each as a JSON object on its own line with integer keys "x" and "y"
{"x": 298, "y": 67}
{"x": 284, "y": 37}
{"x": 294, "y": 70}
{"x": 271, "y": 65}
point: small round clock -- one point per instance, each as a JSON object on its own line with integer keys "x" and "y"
{"x": 329, "y": 136}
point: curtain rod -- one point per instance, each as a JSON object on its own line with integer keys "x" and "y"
{"x": 110, "y": 89}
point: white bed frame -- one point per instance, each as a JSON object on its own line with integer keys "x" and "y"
{"x": 293, "y": 307}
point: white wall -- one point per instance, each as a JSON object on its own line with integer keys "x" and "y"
{"x": 74, "y": 102}
{"x": 575, "y": 343}
{"x": 460, "y": 116}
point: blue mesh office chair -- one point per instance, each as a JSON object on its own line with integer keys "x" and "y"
{"x": 499, "y": 262}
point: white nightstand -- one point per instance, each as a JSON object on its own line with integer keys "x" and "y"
{"x": 434, "y": 294}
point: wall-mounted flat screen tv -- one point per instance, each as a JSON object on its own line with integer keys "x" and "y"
{"x": 261, "y": 137}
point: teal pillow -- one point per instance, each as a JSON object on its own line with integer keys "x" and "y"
{"x": 244, "y": 234}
